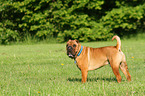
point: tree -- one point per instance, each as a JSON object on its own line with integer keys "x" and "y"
{"x": 85, "y": 20}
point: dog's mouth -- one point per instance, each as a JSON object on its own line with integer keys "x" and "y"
{"x": 70, "y": 55}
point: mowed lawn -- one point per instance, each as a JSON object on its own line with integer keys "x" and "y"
{"x": 45, "y": 70}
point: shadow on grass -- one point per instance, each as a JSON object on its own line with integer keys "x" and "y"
{"x": 92, "y": 79}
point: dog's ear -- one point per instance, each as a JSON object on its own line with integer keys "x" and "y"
{"x": 77, "y": 41}
{"x": 69, "y": 40}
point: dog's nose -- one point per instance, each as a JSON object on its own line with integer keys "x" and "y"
{"x": 69, "y": 47}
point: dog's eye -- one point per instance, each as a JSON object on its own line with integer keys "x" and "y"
{"x": 74, "y": 45}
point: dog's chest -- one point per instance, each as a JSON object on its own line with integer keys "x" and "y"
{"x": 77, "y": 65}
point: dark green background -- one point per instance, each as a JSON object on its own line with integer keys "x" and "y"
{"x": 85, "y": 20}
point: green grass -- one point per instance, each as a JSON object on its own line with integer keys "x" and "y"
{"x": 38, "y": 70}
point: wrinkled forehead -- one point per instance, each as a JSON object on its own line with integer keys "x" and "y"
{"x": 71, "y": 42}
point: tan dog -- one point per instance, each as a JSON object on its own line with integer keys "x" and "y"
{"x": 88, "y": 58}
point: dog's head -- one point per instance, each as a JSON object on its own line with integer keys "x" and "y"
{"x": 72, "y": 47}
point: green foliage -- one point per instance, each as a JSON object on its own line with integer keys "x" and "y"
{"x": 96, "y": 31}
{"x": 85, "y": 20}
{"x": 7, "y": 35}
{"x": 125, "y": 19}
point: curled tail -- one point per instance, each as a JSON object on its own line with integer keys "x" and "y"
{"x": 118, "y": 46}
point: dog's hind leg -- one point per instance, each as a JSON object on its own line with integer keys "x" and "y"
{"x": 124, "y": 69}
{"x": 117, "y": 74}
{"x": 115, "y": 68}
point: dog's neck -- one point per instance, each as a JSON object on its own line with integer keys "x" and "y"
{"x": 78, "y": 54}
{"x": 80, "y": 51}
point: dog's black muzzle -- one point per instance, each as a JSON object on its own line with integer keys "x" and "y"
{"x": 70, "y": 52}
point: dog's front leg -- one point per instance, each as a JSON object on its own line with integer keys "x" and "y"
{"x": 84, "y": 75}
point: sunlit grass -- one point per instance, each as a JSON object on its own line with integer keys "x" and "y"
{"x": 45, "y": 70}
